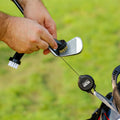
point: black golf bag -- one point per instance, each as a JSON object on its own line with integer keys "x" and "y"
{"x": 104, "y": 112}
{"x": 110, "y": 107}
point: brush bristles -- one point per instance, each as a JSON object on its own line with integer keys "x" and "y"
{"x": 13, "y": 64}
{"x": 63, "y": 50}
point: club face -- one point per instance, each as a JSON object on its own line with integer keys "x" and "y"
{"x": 74, "y": 47}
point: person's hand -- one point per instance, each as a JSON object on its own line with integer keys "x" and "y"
{"x": 26, "y": 36}
{"x": 35, "y": 10}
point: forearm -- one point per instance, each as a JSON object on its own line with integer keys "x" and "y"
{"x": 3, "y": 25}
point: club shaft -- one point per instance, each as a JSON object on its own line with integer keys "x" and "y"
{"x": 18, "y": 5}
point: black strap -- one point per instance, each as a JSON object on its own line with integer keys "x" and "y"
{"x": 95, "y": 115}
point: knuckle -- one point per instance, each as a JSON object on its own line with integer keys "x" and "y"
{"x": 39, "y": 30}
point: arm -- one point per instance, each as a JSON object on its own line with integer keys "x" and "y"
{"x": 24, "y": 35}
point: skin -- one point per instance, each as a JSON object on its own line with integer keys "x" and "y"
{"x": 116, "y": 96}
{"x": 37, "y": 11}
{"x": 26, "y": 35}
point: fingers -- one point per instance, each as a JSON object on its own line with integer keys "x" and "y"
{"x": 50, "y": 25}
{"x": 42, "y": 40}
{"x": 47, "y": 37}
{"x": 42, "y": 45}
{"x": 52, "y": 31}
{"x": 45, "y": 52}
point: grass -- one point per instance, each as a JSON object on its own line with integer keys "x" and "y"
{"x": 44, "y": 88}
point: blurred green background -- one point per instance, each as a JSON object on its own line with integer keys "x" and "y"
{"x": 44, "y": 87}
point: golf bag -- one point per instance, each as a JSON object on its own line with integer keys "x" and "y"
{"x": 104, "y": 112}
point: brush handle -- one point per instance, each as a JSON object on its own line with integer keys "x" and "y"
{"x": 16, "y": 58}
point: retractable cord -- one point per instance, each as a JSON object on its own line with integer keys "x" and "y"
{"x": 70, "y": 67}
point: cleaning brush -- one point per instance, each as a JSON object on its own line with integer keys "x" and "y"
{"x": 62, "y": 47}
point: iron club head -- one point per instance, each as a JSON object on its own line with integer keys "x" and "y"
{"x": 74, "y": 46}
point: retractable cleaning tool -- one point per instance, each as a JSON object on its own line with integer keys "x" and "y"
{"x": 69, "y": 48}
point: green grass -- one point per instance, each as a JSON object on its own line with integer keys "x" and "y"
{"x": 44, "y": 87}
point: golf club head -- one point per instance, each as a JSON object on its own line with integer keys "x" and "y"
{"x": 74, "y": 46}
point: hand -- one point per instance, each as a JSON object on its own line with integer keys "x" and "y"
{"x": 35, "y": 10}
{"x": 25, "y": 35}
